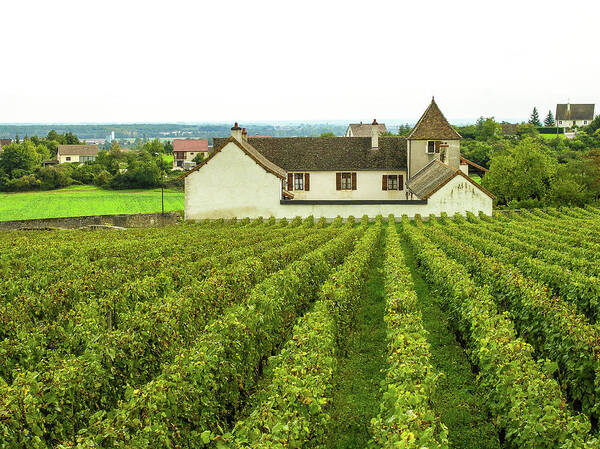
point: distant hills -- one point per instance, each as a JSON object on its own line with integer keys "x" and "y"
{"x": 197, "y": 130}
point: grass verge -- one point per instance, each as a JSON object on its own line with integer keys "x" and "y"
{"x": 359, "y": 375}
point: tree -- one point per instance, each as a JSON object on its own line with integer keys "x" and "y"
{"x": 21, "y": 157}
{"x": 535, "y": 118}
{"x": 549, "y": 120}
{"x": 329, "y": 134}
{"x": 521, "y": 172}
{"x": 477, "y": 151}
{"x": 593, "y": 126}
{"x": 488, "y": 128}
{"x": 71, "y": 139}
{"x": 198, "y": 158}
{"x": 527, "y": 130}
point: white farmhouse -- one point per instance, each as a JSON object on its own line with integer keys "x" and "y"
{"x": 331, "y": 176}
{"x": 76, "y": 153}
{"x": 569, "y": 115}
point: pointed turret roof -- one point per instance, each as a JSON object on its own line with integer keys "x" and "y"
{"x": 433, "y": 125}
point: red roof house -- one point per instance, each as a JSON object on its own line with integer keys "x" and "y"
{"x": 185, "y": 150}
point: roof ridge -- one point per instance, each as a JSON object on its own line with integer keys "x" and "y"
{"x": 438, "y": 128}
{"x": 250, "y": 151}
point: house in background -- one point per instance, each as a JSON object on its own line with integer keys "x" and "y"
{"x": 4, "y": 142}
{"x": 76, "y": 153}
{"x": 363, "y": 130}
{"x": 185, "y": 150}
{"x": 569, "y": 115}
{"x": 331, "y": 176}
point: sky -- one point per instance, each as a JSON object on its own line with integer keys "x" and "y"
{"x": 223, "y": 61}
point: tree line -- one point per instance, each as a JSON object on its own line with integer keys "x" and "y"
{"x": 527, "y": 169}
{"x": 142, "y": 167}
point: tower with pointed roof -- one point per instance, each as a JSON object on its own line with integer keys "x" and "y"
{"x": 432, "y": 138}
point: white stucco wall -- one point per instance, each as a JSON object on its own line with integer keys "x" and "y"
{"x": 73, "y": 158}
{"x": 570, "y": 123}
{"x": 368, "y": 186}
{"x": 418, "y": 156}
{"x": 231, "y": 185}
{"x": 459, "y": 195}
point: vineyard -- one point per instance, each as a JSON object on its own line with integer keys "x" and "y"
{"x": 451, "y": 332}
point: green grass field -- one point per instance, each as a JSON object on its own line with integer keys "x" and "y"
{"x": 77, "y": 201}
{"x": 552, "y": 136}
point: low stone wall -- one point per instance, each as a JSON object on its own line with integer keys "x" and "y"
{"x": 123, "y": 220}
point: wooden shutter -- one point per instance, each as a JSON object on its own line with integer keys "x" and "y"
{"x": 353, "y": 181}
{"x": 400, "y": 182}
{"x": 290, "y": 181}
{"x": 338, "y": 181}
{"x": 307, "y": 181}
{"x": 384, "y": 182}
{"x": 437, "y": 146}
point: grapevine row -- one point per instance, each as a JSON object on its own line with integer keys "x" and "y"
{"x": 552, "y": 326}
{"x": 406, "y": 418}
{"x": 525, "y": 402}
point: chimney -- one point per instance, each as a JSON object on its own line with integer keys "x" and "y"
{"x": 236, "y": 132}
{"x": 374, "y": 135}
{"x": 244, "y": 135}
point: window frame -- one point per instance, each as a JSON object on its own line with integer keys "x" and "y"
{"x": 392, "y": 182}
{"x": 431, "y": 146}
{"x": 298, "y": 181}
{"x": 346, "y": 180}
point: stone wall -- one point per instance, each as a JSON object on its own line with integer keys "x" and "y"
{"x": 123, "y": 220}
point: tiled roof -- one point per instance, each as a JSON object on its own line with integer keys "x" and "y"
{"x": 5, "y": 142}
{"x": 330, "y": 153}
{"x": 190, "y": 145}
{"x": 364, "y": 129}
{"x": 575, "y": 112}
{"x": 249, "y": 150}
{"x": 433, "y": 125}
{"x": 426, "y": 180}
{"x": 509, "y": 129}
{"x": 78, "y": 150}
{"x": 433, "y": 177}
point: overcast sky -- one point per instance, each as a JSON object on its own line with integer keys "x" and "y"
{"x": 195, "y": 61}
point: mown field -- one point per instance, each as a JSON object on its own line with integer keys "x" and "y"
{"x": 83, "y": 200}
{"x": 457, "y": 332}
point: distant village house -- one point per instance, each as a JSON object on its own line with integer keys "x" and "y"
{"x": 4, "y": 142}
{"x": 364, "y": 130}
{"x": 570, "y": 115}
{"x": 185, "y": 150}
{"x": 76, "y": 153}
{"x": 331, "y": 176}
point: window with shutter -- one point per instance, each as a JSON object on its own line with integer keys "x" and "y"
{"x": 306, "y": 182}
{"x": 290, "y": 181}
{"x": 338, "y": 181}
{"x": 400, "y": 182}
{"x": 384, "y": 182}
{"x": 353, "y": 181}
{"x": 437, "y": 146}
{"x": 431, "y": 147}
{"x": 298, "y": 181}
